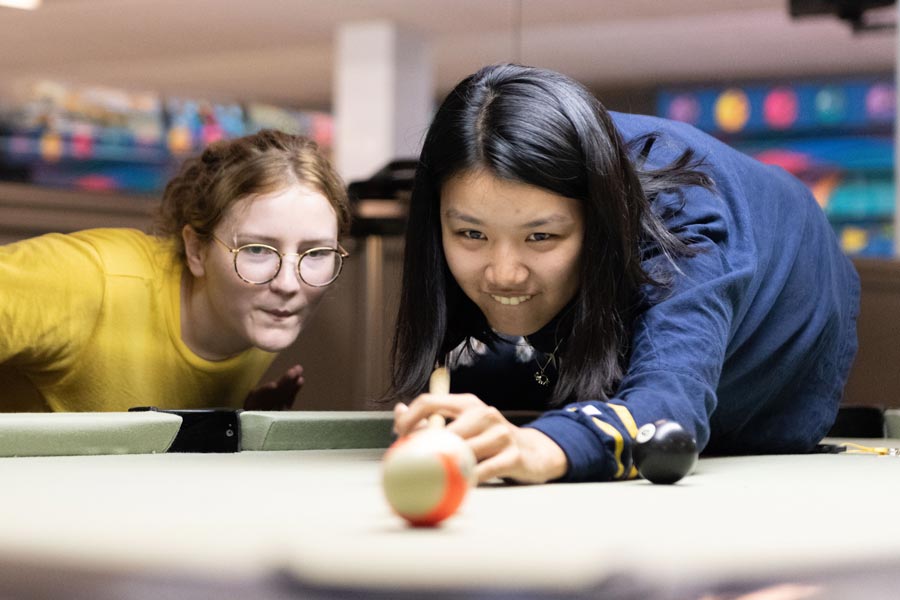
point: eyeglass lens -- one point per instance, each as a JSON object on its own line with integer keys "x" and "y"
{"x": 259, "y": 264}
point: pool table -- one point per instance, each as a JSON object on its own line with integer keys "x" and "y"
{"x": 275, "y": 522}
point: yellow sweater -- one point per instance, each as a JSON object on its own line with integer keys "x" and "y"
{"x": 91, "y": 321}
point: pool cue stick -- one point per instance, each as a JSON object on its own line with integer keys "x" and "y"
{"x": 438, "y": 383}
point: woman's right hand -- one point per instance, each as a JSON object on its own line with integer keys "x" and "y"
{"x": 502, "y": 449}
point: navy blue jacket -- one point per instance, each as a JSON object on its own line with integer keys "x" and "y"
{"x": 751, "y": 345}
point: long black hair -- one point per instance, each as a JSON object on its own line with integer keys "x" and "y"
{"x": 539, "y": 128}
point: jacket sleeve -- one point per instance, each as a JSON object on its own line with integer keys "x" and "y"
{"x": 52, "y": 291}
{"x": 678, "y": 348}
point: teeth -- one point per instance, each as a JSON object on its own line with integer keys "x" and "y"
{"x": 511, "y": 300}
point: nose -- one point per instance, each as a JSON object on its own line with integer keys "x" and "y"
{"x": 288, "y": 279}
{"x": 506, "y": 270}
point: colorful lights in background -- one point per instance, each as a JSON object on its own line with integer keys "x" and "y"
{"x": 808, "y": 108}
{"x": 836, "y": 136}
{"x": 103, "y": 139}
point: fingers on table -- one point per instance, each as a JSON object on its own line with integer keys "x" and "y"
{"x": 484, "y": 427}
{"x": 419, "y": 411}
{"x": 503, "y": 464}
{"x": 492, "y": 439}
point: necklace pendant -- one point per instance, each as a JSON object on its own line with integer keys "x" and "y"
{"x": 541, "y": 379}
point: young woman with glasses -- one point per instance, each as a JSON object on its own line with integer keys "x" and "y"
{"x": 612, "y": 270}
{"x": 191, "y": 317}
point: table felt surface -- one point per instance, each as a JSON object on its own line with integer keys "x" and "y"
{"x": 320, "y": 516}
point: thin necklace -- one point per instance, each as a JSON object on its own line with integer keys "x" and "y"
{"x": 540, "y": 376}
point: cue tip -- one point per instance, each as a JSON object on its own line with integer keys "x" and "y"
{"x": 438, "y": 383}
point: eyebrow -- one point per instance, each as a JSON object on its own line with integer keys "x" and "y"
{"x": 264, "y": 239}
{"x": 452, "y": 213}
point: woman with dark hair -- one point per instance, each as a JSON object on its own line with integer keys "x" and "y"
{"x": 107, "y": 319}
{"x": 611, "y": 270}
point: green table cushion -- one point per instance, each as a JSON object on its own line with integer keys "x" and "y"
{"x": 74, "y": 434}
{"x": 315, "y": 430}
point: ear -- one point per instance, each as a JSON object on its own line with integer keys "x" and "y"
{"x": 195, "y": 251}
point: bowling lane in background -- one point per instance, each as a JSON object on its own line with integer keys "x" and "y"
{"x": 835, "y": 135}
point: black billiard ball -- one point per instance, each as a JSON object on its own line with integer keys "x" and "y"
{"x": 664, "y": 451}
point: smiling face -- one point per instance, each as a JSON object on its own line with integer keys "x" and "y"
{"x": 224, "y": 315}
{"x": 513, "y": 249}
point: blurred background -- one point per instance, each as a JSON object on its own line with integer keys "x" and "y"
{"x": 100, "y": 100}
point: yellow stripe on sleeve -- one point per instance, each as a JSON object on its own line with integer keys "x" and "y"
{"x": 631, "y": 427}
{"x": 627, "y": 420}
{"x": 620, "y": 443}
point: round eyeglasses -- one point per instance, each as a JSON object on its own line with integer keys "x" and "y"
{"x": 259, "y": 264}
